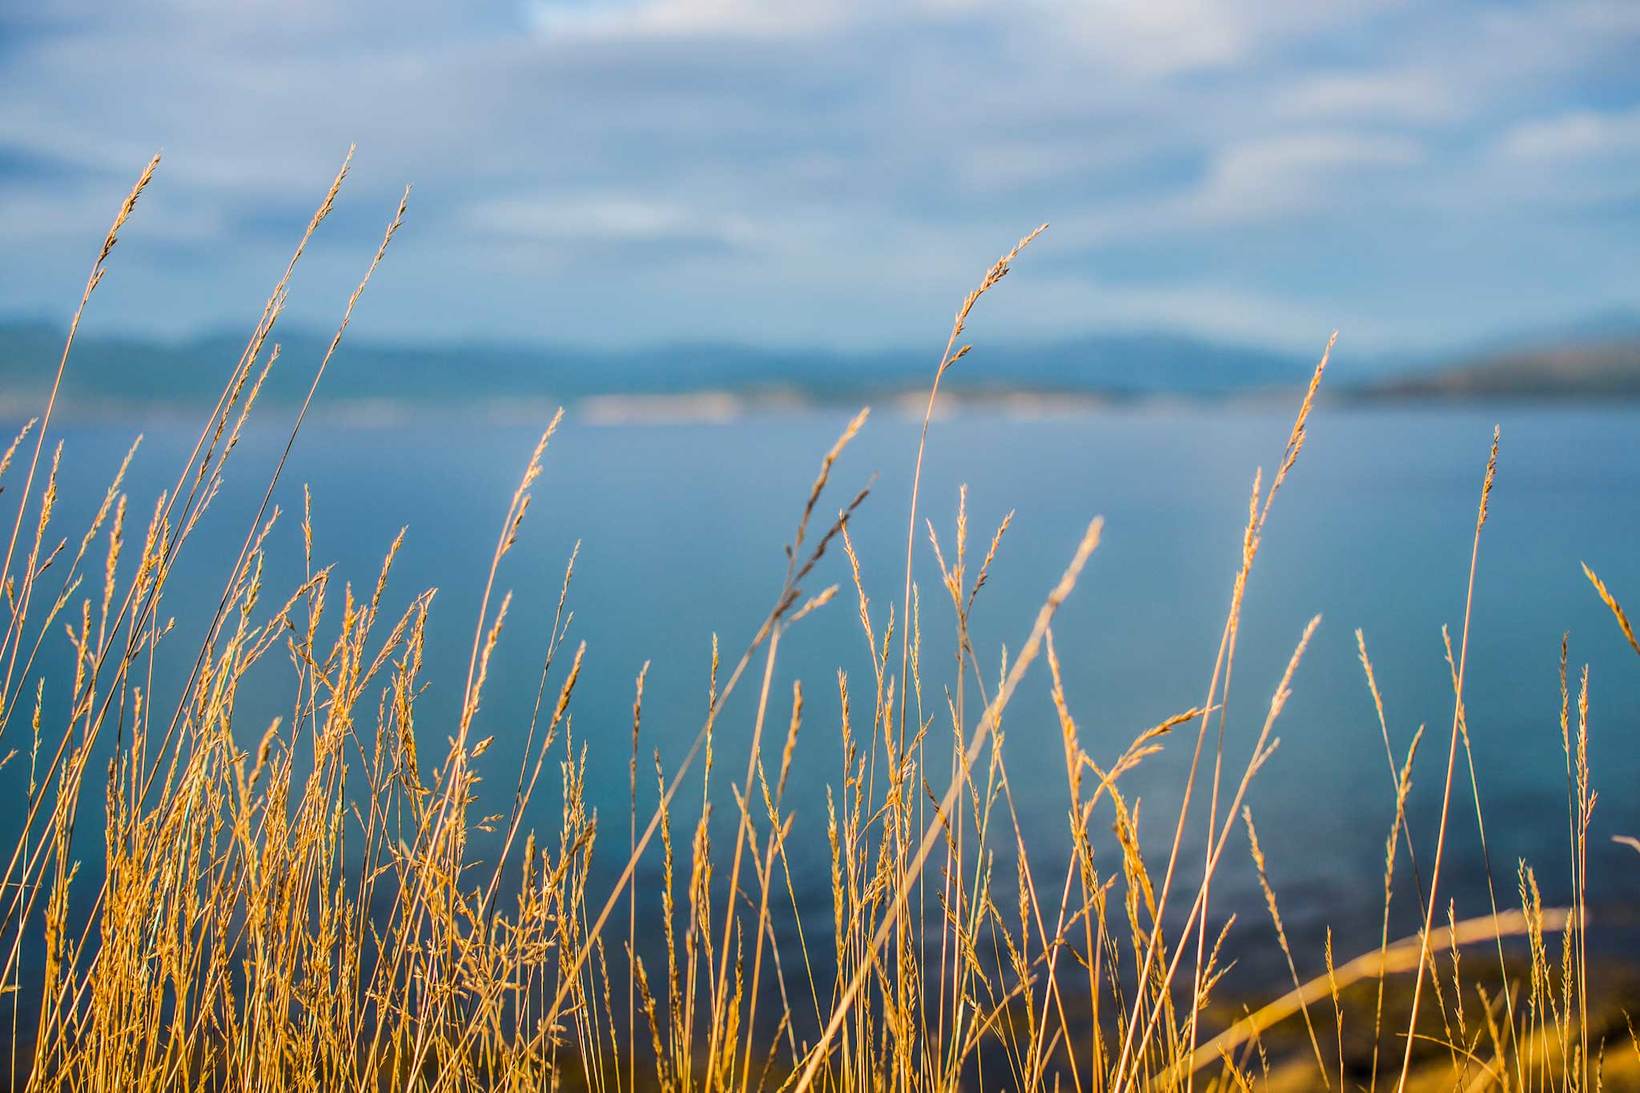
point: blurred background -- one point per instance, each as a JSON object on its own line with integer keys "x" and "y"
{"x": 714, "y": 228}
{"x": 1227, "y": 182}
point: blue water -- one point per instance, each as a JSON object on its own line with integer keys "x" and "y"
{"x": 682, "y": 528}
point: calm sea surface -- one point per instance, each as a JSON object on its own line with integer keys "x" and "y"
{"x": 682, "y": 528}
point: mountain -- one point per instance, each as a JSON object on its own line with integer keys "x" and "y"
{"x": 123, "y": 372}
{"x": 1585, "y": 369}
{"x": 114, "y": 374}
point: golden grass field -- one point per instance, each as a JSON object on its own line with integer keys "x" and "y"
{"x": 298, "y": 905}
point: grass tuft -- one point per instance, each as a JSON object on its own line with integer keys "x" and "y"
{"x": 332, "y": 908}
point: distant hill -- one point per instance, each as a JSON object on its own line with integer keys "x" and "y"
{"x": 1608, "y": 368}
{"x": 122, "y": 374}
{"x": 114, "y": 372}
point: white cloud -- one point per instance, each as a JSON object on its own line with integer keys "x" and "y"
{"x": 1411, "y": 95}
{"x": 610, "y": 217}
{"x": 1293, "y": 172}
{"x": 1581, "y": 134}
{"x": 1283, "y": 185}
{"x": 683, "y": 18}
{"x": 1207, "y": 308}
{"x": 1152, "y": 38}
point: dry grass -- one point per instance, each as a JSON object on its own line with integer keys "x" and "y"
{"x": 314, "y": 911}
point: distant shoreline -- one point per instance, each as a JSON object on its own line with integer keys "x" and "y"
{"x": 111, "y": 376}
{"x": 727, "y": 408}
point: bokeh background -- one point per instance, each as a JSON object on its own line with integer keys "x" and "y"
{"x": 1424, "y": 176}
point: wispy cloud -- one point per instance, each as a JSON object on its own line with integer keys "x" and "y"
{"x": 1582, "y": 134}
{"x": 687, "y": 18}
{"x": 1294, "y": 172}
{"x": 591, "y": 219}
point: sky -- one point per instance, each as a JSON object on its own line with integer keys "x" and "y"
{"x": 833, "y": 173}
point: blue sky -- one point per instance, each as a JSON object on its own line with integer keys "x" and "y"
{"x": 834, "y": 172}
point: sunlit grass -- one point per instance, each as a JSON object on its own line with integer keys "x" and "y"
{"x": 330, "y": 907}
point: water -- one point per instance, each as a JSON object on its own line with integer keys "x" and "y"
{"x": 682, "y": 528}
